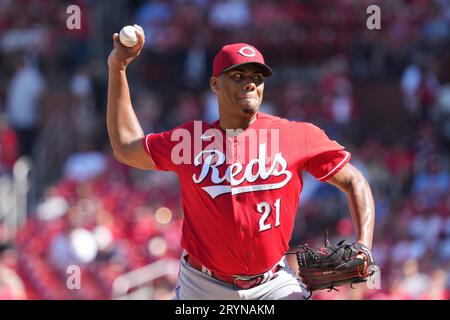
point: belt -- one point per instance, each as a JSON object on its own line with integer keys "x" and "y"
{"x": 242, "y": 282}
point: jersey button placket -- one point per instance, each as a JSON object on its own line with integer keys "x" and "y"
{"x": 235, "y": 147}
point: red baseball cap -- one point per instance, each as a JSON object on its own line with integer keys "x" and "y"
{"x": 237, "y": 54}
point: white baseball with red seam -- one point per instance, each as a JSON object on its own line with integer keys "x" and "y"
{"x": 128, "y": 36}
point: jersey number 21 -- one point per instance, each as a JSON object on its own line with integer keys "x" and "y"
{"x": 266, "y": 209}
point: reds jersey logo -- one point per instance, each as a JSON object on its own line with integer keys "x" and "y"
{"x": 210, "y": 167}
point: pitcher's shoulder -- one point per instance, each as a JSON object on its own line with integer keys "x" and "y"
{"x": 269, "y": 118}
{"x": 276, "y": 121}
{"x": 192, "y": 125}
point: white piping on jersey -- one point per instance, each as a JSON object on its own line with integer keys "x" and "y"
{"x": 335, "y": 168}
{"x": 146, "y": 143}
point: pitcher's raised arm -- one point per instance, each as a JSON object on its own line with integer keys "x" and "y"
{"x": 125, "y": 133}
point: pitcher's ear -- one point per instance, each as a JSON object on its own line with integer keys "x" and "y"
{"x": 213, "y": 84}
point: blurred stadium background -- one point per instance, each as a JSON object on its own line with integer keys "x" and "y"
{"x": 64, "y": 200}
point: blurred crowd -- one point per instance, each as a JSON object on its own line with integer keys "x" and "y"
{"x": 384, "y": 94}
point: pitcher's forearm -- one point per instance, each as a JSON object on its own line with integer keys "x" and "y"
{"x": 360, "y": 201}
{"x": 362, "y": 208}
{"x": 123, "y": 125}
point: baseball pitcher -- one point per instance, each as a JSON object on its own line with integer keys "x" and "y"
{"x": 241, "y": 181}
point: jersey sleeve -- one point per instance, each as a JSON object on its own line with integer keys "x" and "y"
{"x": 159, "y": 147}
{"x": 325, "y": 157}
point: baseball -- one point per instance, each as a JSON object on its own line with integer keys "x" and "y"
{"x": 128, "y": 36}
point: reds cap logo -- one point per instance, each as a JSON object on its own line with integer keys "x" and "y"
{"x": 247, "y": 51}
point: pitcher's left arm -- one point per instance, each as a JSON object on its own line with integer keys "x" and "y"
{"x": 360, "y": 201}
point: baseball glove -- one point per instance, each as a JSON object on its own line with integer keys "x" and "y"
{"x": 334, "y": 265}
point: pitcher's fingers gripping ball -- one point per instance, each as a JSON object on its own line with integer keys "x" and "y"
{"x": 127, "y": 46}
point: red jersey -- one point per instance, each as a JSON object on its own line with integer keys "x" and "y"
{"x": 240, "y": 193}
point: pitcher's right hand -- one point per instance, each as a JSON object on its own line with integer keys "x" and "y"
{"x": 121, "y": 56}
